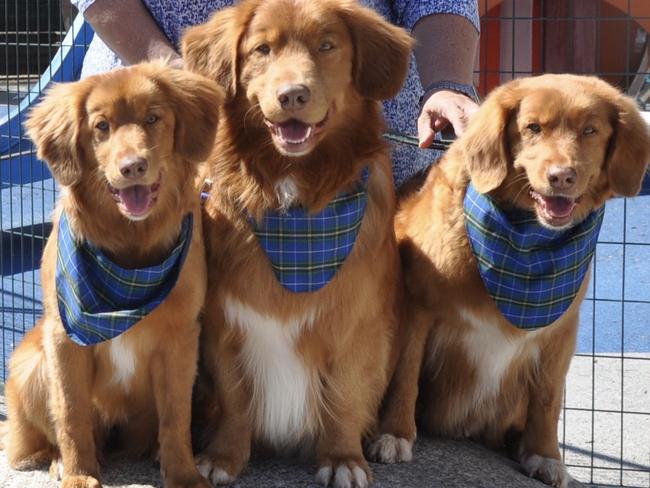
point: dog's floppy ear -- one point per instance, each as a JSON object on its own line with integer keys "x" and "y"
{"x": 54, "y": 124}
{"x": 487, "y": 154}
{"x": 381, "y": 52}
{"x": 196, "y": 102}
{"x": 629, "y": 148}
{"x": 210, "y": 49}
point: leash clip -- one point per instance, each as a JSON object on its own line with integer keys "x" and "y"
{"x": 206, "y": 187}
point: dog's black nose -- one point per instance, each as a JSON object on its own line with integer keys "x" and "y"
{"x": 561, "y": 177}
{"x": 133, "y": 167}
{"x": 293, "y": 97}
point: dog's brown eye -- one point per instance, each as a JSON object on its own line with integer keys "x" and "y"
{"x": 536, "y": 128}
{"x": 264, "y": 49}
{"x": 589, "y": 130}
{"x": 326, "y": 46}
{"x": 151, "y": 119}
{"x": 102, "y": 125}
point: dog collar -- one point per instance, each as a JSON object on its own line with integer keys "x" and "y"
{"x": 99, "y": 300}
{"x": 306, "y": 250}
{"x": 531, "y": 272}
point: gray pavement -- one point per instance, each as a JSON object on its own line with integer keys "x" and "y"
{"x": 613, "y": 448}
{"x": 447, "y": 464}
{"x": 437, "y": 464}
{"x": 606, "y": 425}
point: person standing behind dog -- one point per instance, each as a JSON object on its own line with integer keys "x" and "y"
{"x": 438, "y": 90}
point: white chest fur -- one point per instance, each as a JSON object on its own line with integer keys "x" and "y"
{"x": 287, "y": 192}
{"x": 281, "y": 385}
{"x": 492, "y": 352}
{"x": 123, "y": 359}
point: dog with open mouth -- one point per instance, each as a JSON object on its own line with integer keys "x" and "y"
{"x": 302, "y": 259}
{"x": 496, "y": 250}
{"x": 123, "y": 276}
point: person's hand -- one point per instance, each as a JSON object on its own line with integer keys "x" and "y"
{"x": 442, "y": 108}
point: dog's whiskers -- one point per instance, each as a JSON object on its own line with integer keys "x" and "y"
{"x": 516, "y": 179}
{"x": 527, "y": 186}
{"x": 251, "y": 112}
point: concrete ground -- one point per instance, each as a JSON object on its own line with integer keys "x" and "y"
{"x": 437, "y": 464}
{"x": 615, "y": 437}
{"x": 447, "y": 464}
{"x": 618, "y": 455}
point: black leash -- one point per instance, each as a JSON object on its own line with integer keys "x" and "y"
{"x": 439, "y": 144}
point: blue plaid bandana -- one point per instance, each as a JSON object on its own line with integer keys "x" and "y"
{"x": 531, "y": 272}
{"x": 307, "y": 250}
{"x": 98, "y": 300}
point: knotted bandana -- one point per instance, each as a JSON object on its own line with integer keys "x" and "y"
{"x": 531, "y": 272}
{"x": 99, "y": 300}
{"x": 306, "y": 250}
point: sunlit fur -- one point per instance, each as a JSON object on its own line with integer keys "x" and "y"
{"x": 481, "y": 377}
{"x": 337, "y": 342}
{"x": 63, "y": 398}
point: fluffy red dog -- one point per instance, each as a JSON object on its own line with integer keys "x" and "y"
{"x": 298, "y": 346}
{"x": 543, "y": 154}
{"x": 124, "y": 146}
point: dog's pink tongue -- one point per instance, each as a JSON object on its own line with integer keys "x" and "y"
{"x": 136, "y": 199}
{"x": 559, "y": 207}
{"x": 294, "y": 131}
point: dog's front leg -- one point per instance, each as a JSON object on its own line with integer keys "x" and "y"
{"x": 229, "y": 451}
{"x": 397, "y": 430}
{"x": 173, "y": 371}
{"x": 71, "y": 378}
{"x": 352, "y": 391}
{"x": 539, "y": 453}
{"x": 340, "y": 455}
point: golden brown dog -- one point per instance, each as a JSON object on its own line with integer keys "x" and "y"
{"x": 557, "y": 146}
{"x": 301, "y": 122}
{"x": 124, "y": 146}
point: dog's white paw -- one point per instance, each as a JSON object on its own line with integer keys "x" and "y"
{"x": 550, "y": 471}
{"x": 390, "y": 449}
{"x": 349, "y": 475}
{"x": 56, "y": 469}
{"x": 215, "y": 474}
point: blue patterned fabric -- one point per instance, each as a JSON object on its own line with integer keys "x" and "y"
{"x": 531, "y": 272}
{"x": 99, "y": 300}
{"x": 306, "y": 250}
{"x": 173, "y": 16}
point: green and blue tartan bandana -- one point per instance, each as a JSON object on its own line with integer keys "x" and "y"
{"x": 306, "y": 250}
{"x": 531, "y": 272}
{"x": 99, "y": 300}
